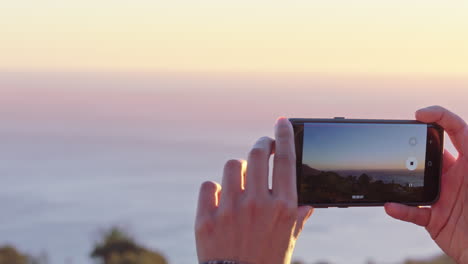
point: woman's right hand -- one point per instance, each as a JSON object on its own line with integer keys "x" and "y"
{"x": 447, "y": 220}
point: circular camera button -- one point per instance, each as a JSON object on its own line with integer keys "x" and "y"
{"x": 411, "y": 163}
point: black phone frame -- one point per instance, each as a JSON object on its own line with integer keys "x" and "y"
{"x": 434, "y": 152}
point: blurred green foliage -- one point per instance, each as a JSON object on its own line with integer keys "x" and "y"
{"x": 118, "y": 247}
{"x": 10, "y": 255}
{"x": 444, "y": 259}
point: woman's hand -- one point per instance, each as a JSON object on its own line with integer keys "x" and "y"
{"x": 243, "y": 220}
{"x": 447, "y": 220}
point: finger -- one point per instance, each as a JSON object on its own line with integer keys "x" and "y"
{"x": 415, "y": 215}
{"x": 208, "y": 198}
{"x": 452, "y": 123}
{"x": 303, "y": 214}
{"x": 448, "y": 162}
{"x": 257, "y": 167}
{"x": 233, "y": 181}
{"x": 284, "y": 165}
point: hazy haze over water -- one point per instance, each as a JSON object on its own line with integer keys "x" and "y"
{"x": 82, "y": 151}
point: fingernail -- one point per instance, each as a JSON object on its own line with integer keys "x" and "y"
{"x": 394, "y": 205}
{"x": 281, "y": 120}
{"x": 424, "y": 109}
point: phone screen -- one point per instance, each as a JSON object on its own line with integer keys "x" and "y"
{"x": 363, "y": 163}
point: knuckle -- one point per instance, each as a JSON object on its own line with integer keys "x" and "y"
{"x": 225, "y": 215}
{"x": 287, "y": 157}
{"x": 407, "y": 215}
{"x": 205, "y": 226}
{"x": 289, "y": 196}
{"x": 285, "y": 210}
{"x": 251, "y": 206}
{"x": 233, "y": 164}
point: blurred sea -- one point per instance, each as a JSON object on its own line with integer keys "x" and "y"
{"x": 80, "y": 152}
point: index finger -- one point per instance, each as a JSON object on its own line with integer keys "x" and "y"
{"x": 452, "y": 123}
{"x": 284, "y": 162}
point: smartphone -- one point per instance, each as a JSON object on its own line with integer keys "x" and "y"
{"x": 365, "y": 162}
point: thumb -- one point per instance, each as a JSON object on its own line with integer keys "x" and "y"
{"x": 415, "y": 215}
{"x": 303, "y": 214}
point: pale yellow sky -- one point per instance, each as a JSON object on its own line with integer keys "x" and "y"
{"x": 359, "y": 36}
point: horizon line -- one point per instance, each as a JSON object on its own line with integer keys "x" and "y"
{"x": 350, "y": 74}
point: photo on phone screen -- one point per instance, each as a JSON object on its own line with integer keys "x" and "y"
{"x": 353, "y": 163}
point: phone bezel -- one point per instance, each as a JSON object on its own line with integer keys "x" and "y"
{"x": 434, "y": 152}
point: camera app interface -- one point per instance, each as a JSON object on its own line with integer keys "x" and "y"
{"x": 362, "y": 162}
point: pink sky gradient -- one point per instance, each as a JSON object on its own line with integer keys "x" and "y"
{"x": 244, "y": 97}
{"x": 210, "y": 107}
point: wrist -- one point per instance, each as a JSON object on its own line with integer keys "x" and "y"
{"x": 223, "y": 262}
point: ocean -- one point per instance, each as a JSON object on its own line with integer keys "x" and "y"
{"x": 81, "y": 152}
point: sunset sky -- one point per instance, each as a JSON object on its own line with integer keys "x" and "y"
{"x": 362, "y": 146}
{"x": 101, "y": 100}
{"x": 362, "y": 36}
